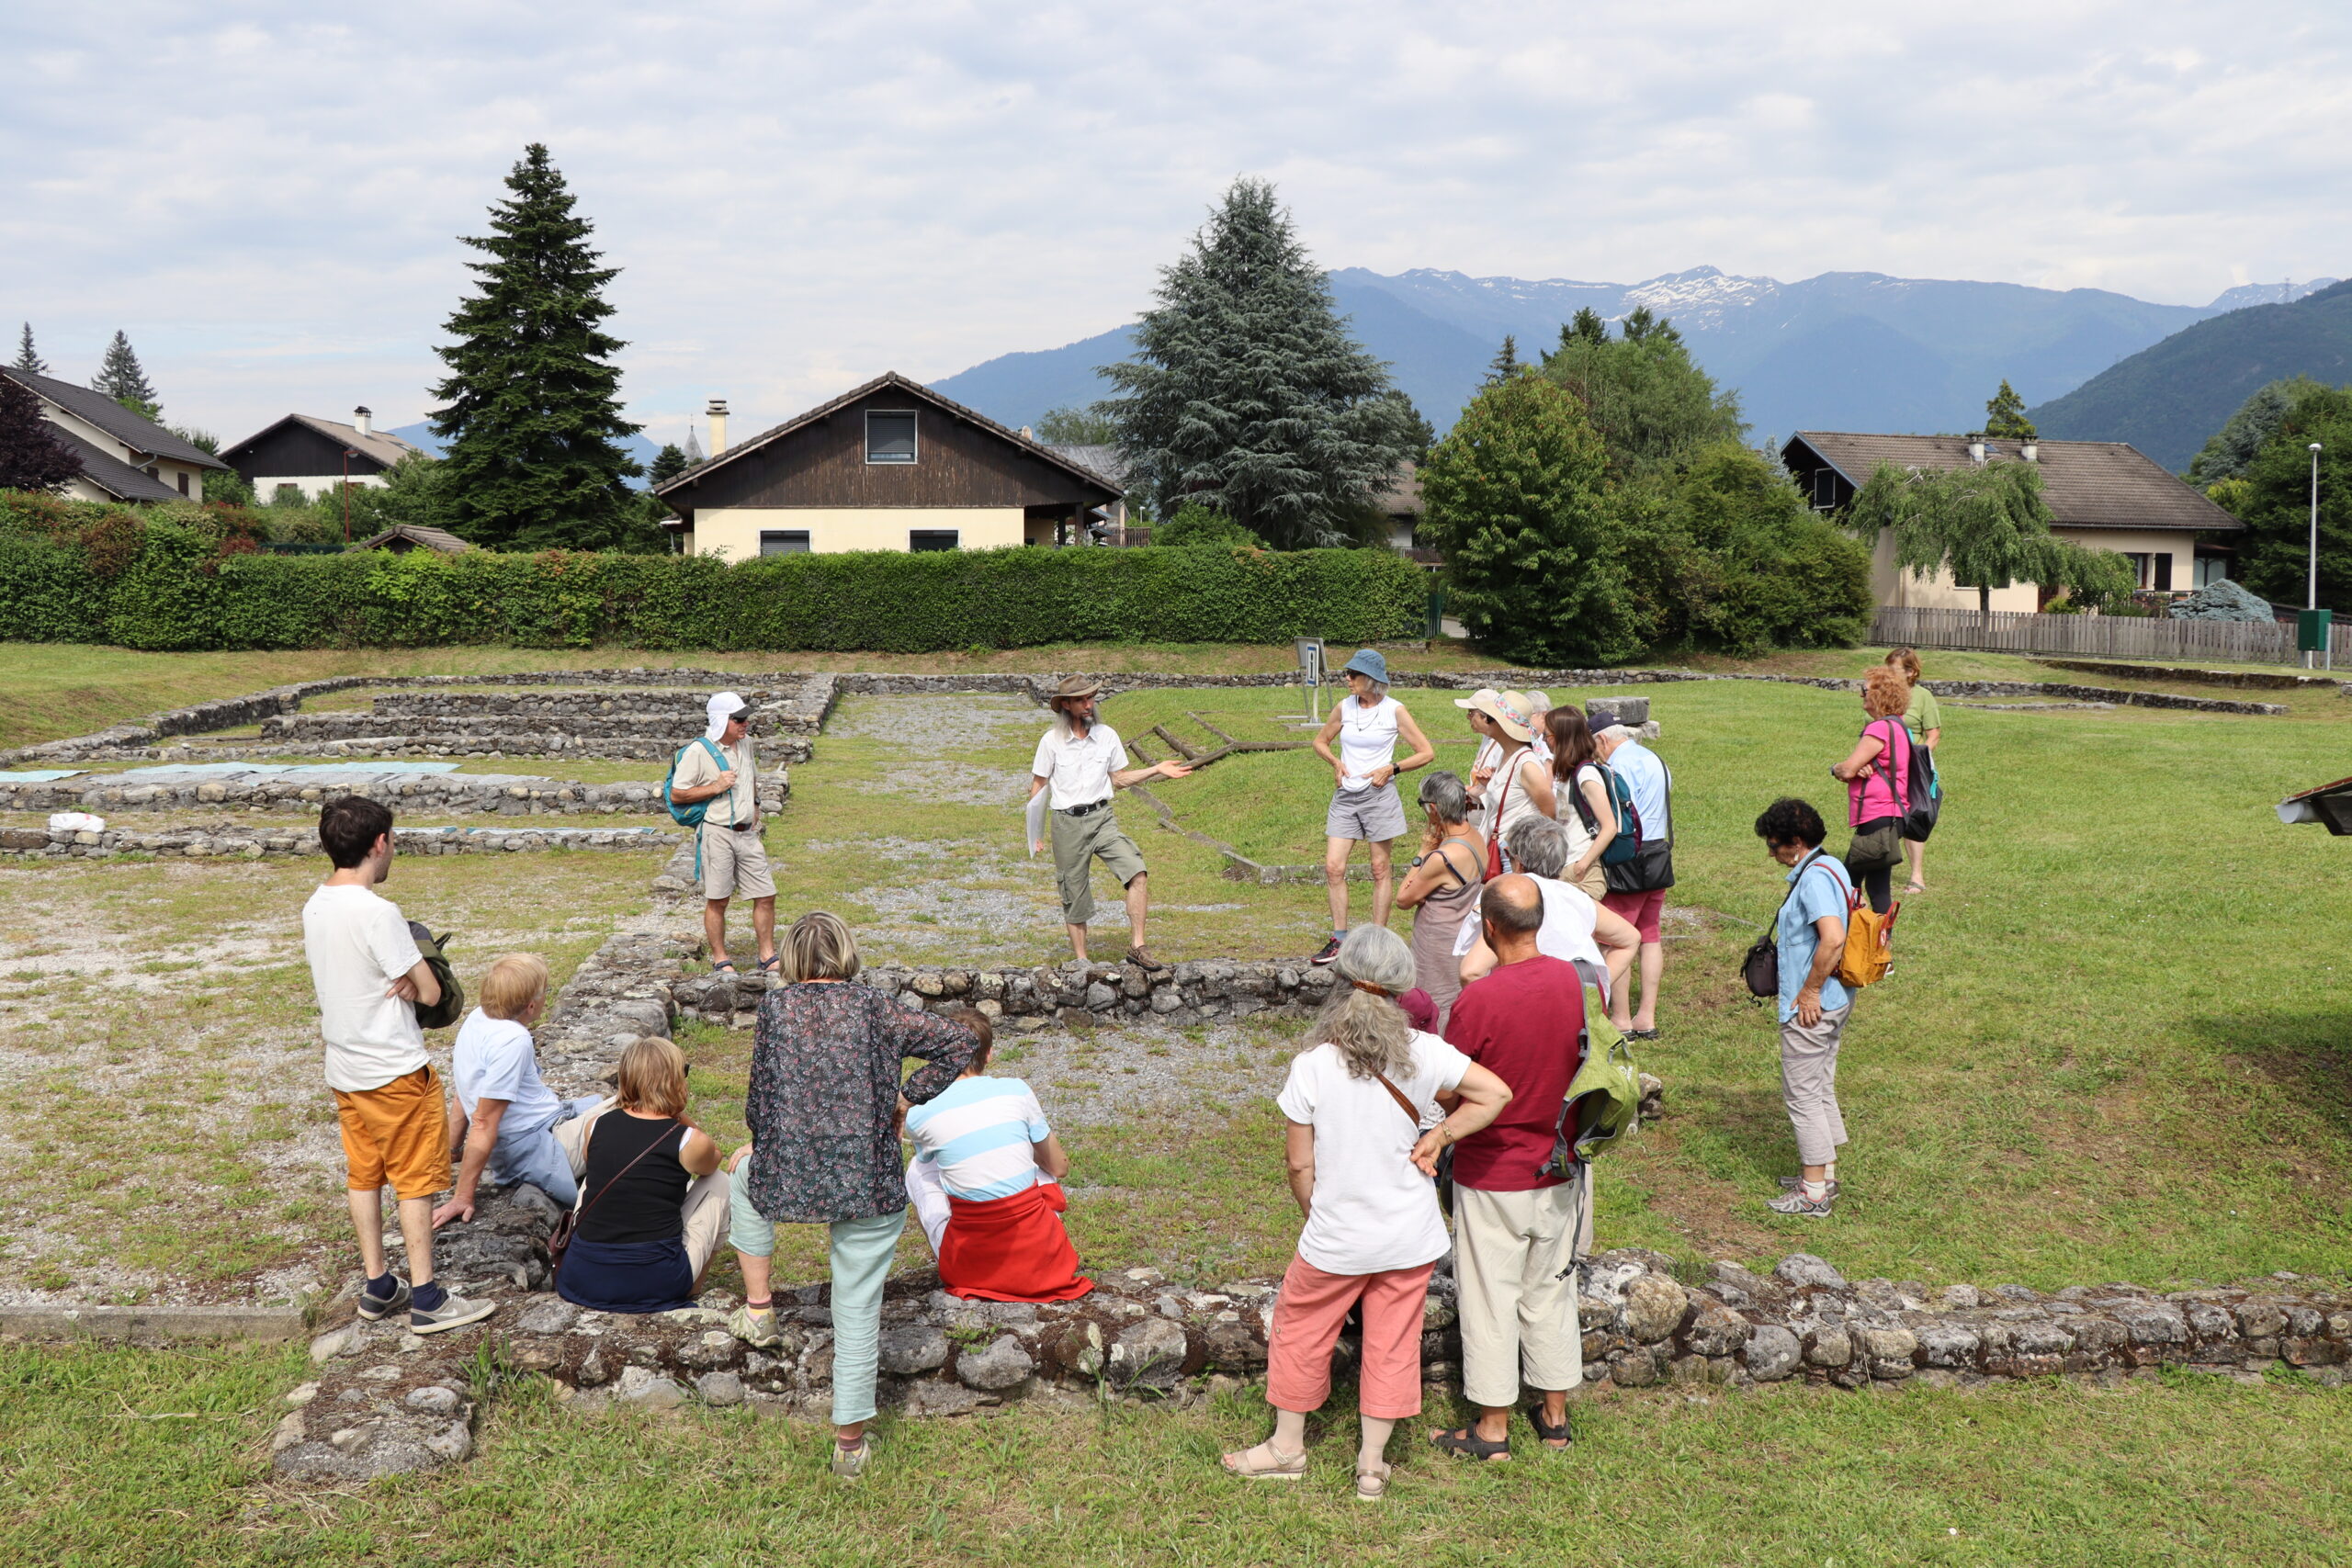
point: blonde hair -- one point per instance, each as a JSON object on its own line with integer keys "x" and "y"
{"x": 819, "y": 947}
{"x": 653, "y": 1076}
{"x": 1906, "y": 660}
{"x": 1886, "y": 693}
{"x": 517, "y": 983}
{"x": 1368, "y": 1029}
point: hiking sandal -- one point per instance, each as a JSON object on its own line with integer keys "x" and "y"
{"x": 724, "y": 967}
{"x": 1372, "y": 1485}
{"x": 1273, "y": 1466}
{"x": 768, "y": 965}
{"x": 1463, "y": 1442}
{"x": 1562, "y": 1434}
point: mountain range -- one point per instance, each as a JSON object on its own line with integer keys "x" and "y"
{"x": 1842, "y": 351}
{"x": 420, "y": 435}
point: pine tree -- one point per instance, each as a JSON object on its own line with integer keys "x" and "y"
{"x": 1505, "y": 364}
{"x": 31, "y": 363}
{"x": 668, "y": 464}
{"x": 531, "y": 407}
{"x": 2004, "y": 417}
{"x": 1587, "y": 327}
{"x": 1246, "y": 392}
{"x": 31, "y": 456}
{"x": 121, "y": 378}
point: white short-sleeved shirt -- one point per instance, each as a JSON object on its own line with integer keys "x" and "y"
{"x": 979, "y": 1133}
{"x": 695, "y": 770}
{"x": 358, "y": 944}
{"x": 1372, "y": 1209}
{"x": 492, "y": 1057}
{"x": 1569, "y": 915}
{"x": 1571, "y": 820}
{"x": 1646, "y": 780}
{"x": 1080, "y": 767}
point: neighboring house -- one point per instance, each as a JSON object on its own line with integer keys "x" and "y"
{"x": 1399, "y": 502}
{"x": 403, "y": 537}
{"x": 1109, "y": 465}
{"x": 2102, "y": 494}
{"x": 125, "y": 457}
{"x": 891, "y": 466}
{"x": 309, "y": 455}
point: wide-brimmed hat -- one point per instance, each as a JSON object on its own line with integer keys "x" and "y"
{"x": 1072, "y": 688}
{"x": 1500, "y": 707}
{"x": 1369, "y": 663}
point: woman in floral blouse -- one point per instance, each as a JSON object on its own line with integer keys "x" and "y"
{"x": 823, "y": 1109}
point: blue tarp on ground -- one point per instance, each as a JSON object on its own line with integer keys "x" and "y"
{"x": 38, "y": 775}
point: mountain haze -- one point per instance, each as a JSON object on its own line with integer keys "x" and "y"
{"x": 1842, "y": 351}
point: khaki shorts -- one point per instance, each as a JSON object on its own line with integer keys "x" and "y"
{"x": 1375, "y": 815}
{"x": 1077, "y": 842}
{"x": 735, "y": 863}
{"x": 399, "y": 1133}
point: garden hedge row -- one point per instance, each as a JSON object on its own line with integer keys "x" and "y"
{"x": 181, "y": 589}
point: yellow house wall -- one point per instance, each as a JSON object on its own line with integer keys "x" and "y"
{"x": 1891, "y": 585}
{"x": 733, "y": 531}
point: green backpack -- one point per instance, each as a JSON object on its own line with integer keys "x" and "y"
{"x": 1604, "y": 1099}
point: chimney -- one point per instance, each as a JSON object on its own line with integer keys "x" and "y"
{"x": 2030, "y": 451}
{"x": 1976, "y": 448}
{"x": 1027, "y": 434}
{"x": 359, "y": 418}
{"x": 716, "y": 412}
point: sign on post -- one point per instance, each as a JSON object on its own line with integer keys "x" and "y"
{"x": 2314, "y": 634}
{"x": 1310, "y": 673}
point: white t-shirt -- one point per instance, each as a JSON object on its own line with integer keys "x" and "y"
{"x": 1079, "y": 766}
{"x": 493, "y": 1056}
{"x": 359, "y": 945}
{"x": 981, "y": 1134}
{"x": 1372, "y": 1209}
{"x": 1565, "y": 797}
{"x": 1565, "y": 934}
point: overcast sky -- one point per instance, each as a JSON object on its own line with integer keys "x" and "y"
{"x": 266, "y": 196}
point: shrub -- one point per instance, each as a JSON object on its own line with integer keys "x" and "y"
{"x": 1196, "y": 524}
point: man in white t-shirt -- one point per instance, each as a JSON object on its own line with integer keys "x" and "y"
{"x": 369, "y": 978}
{"x": 1576, "y": 927}
{"x": 733, "y": 854}
{"x": 1079, "y": 759}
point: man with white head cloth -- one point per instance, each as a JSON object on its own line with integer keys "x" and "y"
{"x": 719, "y": 770}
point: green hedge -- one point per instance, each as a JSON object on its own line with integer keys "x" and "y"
{"x": 181, "y": 592}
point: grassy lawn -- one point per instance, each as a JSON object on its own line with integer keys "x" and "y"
{"x": 2185, "y": 1471}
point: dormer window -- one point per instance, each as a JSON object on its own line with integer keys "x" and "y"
{"x": 889, "y": 436}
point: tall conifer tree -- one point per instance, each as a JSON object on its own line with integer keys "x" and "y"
{"x": 1505, "y": 364}
{"x": 31, "y": 455}
{"x": 121, "y": 378}
{"x": 1247, "y": 394}
{"x": 532, "y": 411}
{"x": 27, "y": 359}
{"x": 2004, "y": 417}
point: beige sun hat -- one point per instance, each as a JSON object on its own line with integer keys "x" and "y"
{"x": 1073, "y": 687}
{"x": 1500, "y": 707}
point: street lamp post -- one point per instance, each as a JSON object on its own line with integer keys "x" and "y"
{"x": 2312, "y": 598}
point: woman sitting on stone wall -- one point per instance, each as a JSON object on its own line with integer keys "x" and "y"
{"x": 653, "y": 1201}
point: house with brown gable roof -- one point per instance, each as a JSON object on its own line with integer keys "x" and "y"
{"x": 125, "y": 455}
{"x": 313, "y": 455}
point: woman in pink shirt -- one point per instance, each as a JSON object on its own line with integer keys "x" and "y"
{"x": 1877, "y": 775}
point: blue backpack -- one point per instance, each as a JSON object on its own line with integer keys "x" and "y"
{"x": 690, "y": 816}
{"x": 1628, "y": 841}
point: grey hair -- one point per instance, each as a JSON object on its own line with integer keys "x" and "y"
{"x": 1442, "y": 792}
{"x": 1379, "y": 688}
{"x": 1538, "y": 846}
{"x": 818, "y": 946}
{"x": 1371, "y": 1032}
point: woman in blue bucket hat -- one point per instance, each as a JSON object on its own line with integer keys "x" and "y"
{"x": 1366, "y": 726}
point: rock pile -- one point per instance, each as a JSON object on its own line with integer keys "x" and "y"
{"x": 253, "y": 841}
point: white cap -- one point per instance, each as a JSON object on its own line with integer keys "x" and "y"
{"x": 720, "y": 709}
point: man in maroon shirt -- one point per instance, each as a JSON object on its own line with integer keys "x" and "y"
{"x": 1514, "y": 1223}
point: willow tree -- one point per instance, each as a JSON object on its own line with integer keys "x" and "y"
{"x": 1988, "y": 526}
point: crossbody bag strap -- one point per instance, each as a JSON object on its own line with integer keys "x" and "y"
{"x": 1403, "y": 1104}
{"x": 607, "y": 1186}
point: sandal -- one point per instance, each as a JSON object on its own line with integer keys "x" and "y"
{"x": 1463, "y": 1442}
{"x": 768, "y": 965}
{"x": 724, "y": 967}
{"x": 1273, "y": 1466}
{"x": 1915, "y": 887}
{"x": 1554, "y": 1437}
{"x": 1372, "y": 1484}
{"x": 850, "y": 1463}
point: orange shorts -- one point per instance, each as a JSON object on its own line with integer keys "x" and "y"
{"x": 398, "y": 1134}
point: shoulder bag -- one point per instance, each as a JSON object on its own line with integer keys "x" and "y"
{"x": 1650, "y": 869}
{"x": 1881, "y": 849}
{"x": 567, "y": 1223}
{"x": 1761, "y": 968}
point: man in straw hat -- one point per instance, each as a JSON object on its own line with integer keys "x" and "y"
{"x": 1366, "y": 724}
{"x": 1078, "y": 760}
{"x": 719, "y": 769}
{"x": 1509, "y": 781}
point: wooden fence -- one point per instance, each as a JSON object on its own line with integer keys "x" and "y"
{"x": 2107, "y": 637}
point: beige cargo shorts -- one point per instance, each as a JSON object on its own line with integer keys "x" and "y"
{"x": 1078, "y": 841}
{"x": 735, "y": 863}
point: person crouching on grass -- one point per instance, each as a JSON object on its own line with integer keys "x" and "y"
{"x": 1079, "y": 759}
{"x": 1367, "y": 724}
{"x": 986, "y": 1186}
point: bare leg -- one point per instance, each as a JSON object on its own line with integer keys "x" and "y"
{"x": 416, "y": 1229}
{"x": 1335, "y": 879}
{"x": 755, "y": 1276}
{"x": 1138, "y": 904}
{"x": 1917, "y": 853}
{"x": 1078, "y": 941}
{"x": 1652, "y": 969}
{"x": 1289, "y": 1440}
{"x": 714, "y": 928}
{"x": 764, "y": 926}
{"x": 1384, "y": 884}
{"x": 367, "y": 1219}
{"x": 1555, "y": 1410}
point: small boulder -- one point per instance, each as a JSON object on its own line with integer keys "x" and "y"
{"x": 434, "y": 1400}
{"x": 1000, "y": 1366}
{"x": 913, "y": 1347}
{"x": 1653, "y": 1307}
{"x": 719, "y": 1388}
{"x": 648, "y": 1390}
{"x": 1773, "y": 1353}
{"x": 1802, "y": 1269}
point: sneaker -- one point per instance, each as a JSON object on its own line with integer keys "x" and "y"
{"x": 850, "y": 1463}
{"x": 375, "y": 1309}
{"x": 1796, "y": 1184}
{"x": 756, "y": 1329}
{"x": 1145, "y": 961}
{"x": 1330, "y": 950}
{"x": 1801, "y": 1207}
{"x": 455, "y": 1312}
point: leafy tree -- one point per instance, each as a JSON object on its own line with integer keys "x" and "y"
{"x": 2004, "y": 417}
{"x": 121, "y": 378}
{"x": 228, "y": 488}
{"x": 1727, "y": 556}
{"x": 1246, "y": 392}
{"x": 27, "y": 360}
{"x": 1078, "y": 427}
{"x": 2274, "y": 553}
{"x": 415, "y": 492}
{"x": 667, "y": 465}
{"x": 532, "y": 408}
{"x": 2232, "y": 449}
{"x": 1988, "y": 525}
{"x": 1653, "y": 405}
{"x": 31, "y": 455}
{"x": 1533, "y": 554}
{"x": 1196, "y": 524}
{"x": 1505, "y": 364}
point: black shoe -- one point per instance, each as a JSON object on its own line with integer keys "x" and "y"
{"x": 375, "y": 1309}
{"x": 1330, "y": 950}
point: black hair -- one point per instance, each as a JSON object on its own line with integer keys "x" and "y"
{"x": 349, "y": 828}
{"x": 1789, "y": 820}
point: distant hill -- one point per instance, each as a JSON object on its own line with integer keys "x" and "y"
{"x": 2168, "y": 398}
{"x": 1845, "y": 349}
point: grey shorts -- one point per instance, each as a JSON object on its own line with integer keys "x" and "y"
{"x": 735, "y": 863}
{"x": 1377, "y": 815}
{"x": 1078, "y": 842}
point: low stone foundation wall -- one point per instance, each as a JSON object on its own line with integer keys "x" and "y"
{"x": 484, "y": 738}
{"x": 234, "y": 841}
{"x": 415, "y": 793}
{"x": 2248, "y": 679}
{"x": 385, "y": 1402}
{"x": 772, "y": 708}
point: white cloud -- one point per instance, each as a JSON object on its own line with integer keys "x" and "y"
{"x": 802, "y": 195}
